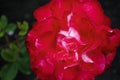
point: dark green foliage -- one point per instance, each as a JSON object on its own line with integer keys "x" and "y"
{"x": 13, "y": 52}
{"x": 9, "y": 71}
{"x": 23, "y": 28}
{"x": 10, "y": 54}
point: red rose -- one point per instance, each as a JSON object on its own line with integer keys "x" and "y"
{"x": 71, "y": 40}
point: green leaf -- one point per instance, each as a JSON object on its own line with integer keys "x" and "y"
{"x": 23, "y": 50}
{"x": 22, "y": 33}
{"x": 23, "y": 28}
{"x": 13, "y": 47}
{"x": 24, "y": 62}
{"x": 9, "y": 71}
{"x": 24, "y": 65}
{"x": 3, "y": 21}
{"x": 10, "y": 54}
{"x": 10, "y": 28}
{"x": 1, "y": 34}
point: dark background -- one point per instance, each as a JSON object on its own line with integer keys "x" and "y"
{"x": 19, "y": 10}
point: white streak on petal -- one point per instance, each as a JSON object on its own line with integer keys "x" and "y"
{"x": 86, "y": 59}
{"x": 73, "y": 33}
{"x": 70, "y": 65}
{"x": 69, "y": 18}
{"x": 111, "y": 31}
{"x": 65, "y": 33}
{"x": 64, "y": 44}
{"x": 76, "y": 56}
{"x": 37, "y": 44}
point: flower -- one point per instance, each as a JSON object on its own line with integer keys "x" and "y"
{"x": 71, "y": 40}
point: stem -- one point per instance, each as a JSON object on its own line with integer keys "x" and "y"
{"x": 7, "y": 39}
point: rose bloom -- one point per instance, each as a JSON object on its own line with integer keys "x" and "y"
{"x": 71, "y": 40}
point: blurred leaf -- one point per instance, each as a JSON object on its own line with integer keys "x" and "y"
{"x": 22, "y": 33}
{"x": 9, "y": 71}
{"x": 1, "y": 34}
{"x": 24, "y": 62}
{"x": 3, "y": 21}
{"x": 23, "y": 50}
{"x": 24, "y": 65}
{"x": 13, "y": 47}
{"x": 23, "y": 28}
{"x": 10, "y": 54}
{"x": 18, "y": 59}
{"x": 10, "y": 28}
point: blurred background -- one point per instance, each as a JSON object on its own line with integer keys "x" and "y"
{"x": 20, "y": 10}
